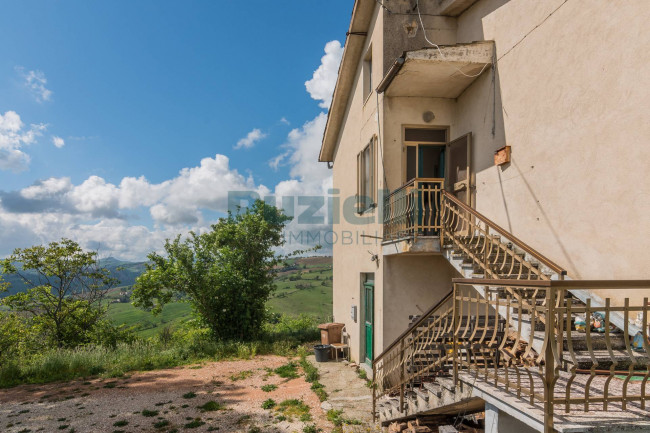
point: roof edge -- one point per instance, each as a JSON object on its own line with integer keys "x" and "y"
{"x": 359, "y": 24}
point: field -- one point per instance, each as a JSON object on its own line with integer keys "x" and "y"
{"x": 304, "y": 287}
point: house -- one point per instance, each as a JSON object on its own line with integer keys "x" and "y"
{"x": 490, "y": 159}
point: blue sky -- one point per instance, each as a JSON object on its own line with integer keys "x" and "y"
{"x": 105, "y": 103}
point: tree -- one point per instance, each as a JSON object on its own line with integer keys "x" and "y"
{"x": 226, "y": 274}
{"x": 65, "y": 288}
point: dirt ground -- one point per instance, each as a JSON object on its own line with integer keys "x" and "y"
{"x": 165, "y": 401}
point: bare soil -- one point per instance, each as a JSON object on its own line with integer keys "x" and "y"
{"x": 163, "y": 401}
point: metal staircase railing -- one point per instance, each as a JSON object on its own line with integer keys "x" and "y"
{"x": 466, "y": 335}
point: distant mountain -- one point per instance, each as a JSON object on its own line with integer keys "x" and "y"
{"x": 125, "y": 272}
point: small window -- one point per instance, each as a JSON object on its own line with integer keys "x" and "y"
{"x": 366, "y": 191}
{"x": 425, "y": 135}
{"x": 367, "y": 74}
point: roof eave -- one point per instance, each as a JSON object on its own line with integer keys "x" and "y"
{"x": 359, "y": 24}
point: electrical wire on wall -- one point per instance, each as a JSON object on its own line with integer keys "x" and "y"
{"x": 424, "y": 33}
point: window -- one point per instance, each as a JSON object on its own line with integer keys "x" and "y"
{"x": 366, "y": 191}
{"x": 367, "y": 74}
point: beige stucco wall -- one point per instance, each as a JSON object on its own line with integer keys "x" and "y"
{"x": 351, "y": 258}
{"x": 412, "y": 284}
{"x": 573, "y": 101}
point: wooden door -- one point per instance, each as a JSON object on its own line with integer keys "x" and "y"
{"x": 458, "y": 176}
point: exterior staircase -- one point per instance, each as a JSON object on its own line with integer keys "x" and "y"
{"x": 510, "y": 322}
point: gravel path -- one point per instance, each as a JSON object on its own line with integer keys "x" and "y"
{"x": 164, "y": 401}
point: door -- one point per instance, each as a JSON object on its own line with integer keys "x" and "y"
{"x": 369, "y": 313}
{"x": 459, "y": 178}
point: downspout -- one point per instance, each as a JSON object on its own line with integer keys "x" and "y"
{"x": 392, "y": 72}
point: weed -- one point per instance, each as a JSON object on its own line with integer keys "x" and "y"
{"x": 110, "y": 385}
{"x": 161, "y": 424}
{"x": 120, "y": 423}
{"x": 292, "y": 408}
{"x": 268, "y": 404}
{"x": 149, "y": 413}
{"x": 241, "y": 375}
{"x": 287, "y": 371}
{"x": 190, "y": 394}
{"x": 269, "y": 388}
{"x": 195, "y": 423}
{"x": 310, "y": 429}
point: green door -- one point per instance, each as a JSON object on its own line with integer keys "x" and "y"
{"x": 369, "y": 311}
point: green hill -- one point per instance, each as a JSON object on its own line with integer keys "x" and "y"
{"x": 304, "y": 287}
{"x": 125, "y": 272}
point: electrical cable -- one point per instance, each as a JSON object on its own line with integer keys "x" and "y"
{"x": 424, "y": 33}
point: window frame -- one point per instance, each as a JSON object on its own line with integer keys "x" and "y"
{"x": 367, "y": 200}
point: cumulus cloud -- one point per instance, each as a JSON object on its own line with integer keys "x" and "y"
{"x": 13, "y": 137}
{"x": 172, "y": 202}
{"x": 322, "y": 84}
{"x": 58, "y": 141}
{"x": 35, "y": 82}
{"x": 251, "y": 138}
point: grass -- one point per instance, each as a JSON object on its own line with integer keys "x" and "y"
{"x": 212, "y": 406}
{"x": 335, "y": 416}
{"x": 67, "y": 364}
{"x": 120, "y": 423}
{"x": 311, "y": 375}
{"x": 190, "y": 394}
{"x": 245, "y": 374}
{"x": 293, "y": 408}
{"x": 287, "y": 371}
{"x": 145, "y": 323}
{"x": 269, "y": 403}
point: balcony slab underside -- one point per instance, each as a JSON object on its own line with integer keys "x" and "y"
{"x": 439, "y": 73}
{"x": 417, "y": 245}
{"x": 473, "y": 392}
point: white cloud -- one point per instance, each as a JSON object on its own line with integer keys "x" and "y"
{"x": 47, "y": 188}
{"x": 13, "y": 136}
{"x": 322, "y": 84}
{"x": 251, "y": 138}
{"x": 35, "y": 81}
{"x": 285, "y": 121}
{"x": 58, "y": 141}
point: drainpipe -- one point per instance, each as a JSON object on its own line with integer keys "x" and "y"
{"x": 392, "y": 72}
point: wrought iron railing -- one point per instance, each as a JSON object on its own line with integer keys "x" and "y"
{"x": 413, "y": 210}
{"x": 584, "y": 362}
{"x": 497, "y": 252}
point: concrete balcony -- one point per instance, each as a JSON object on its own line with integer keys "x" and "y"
{"x": 443, "y": 72}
